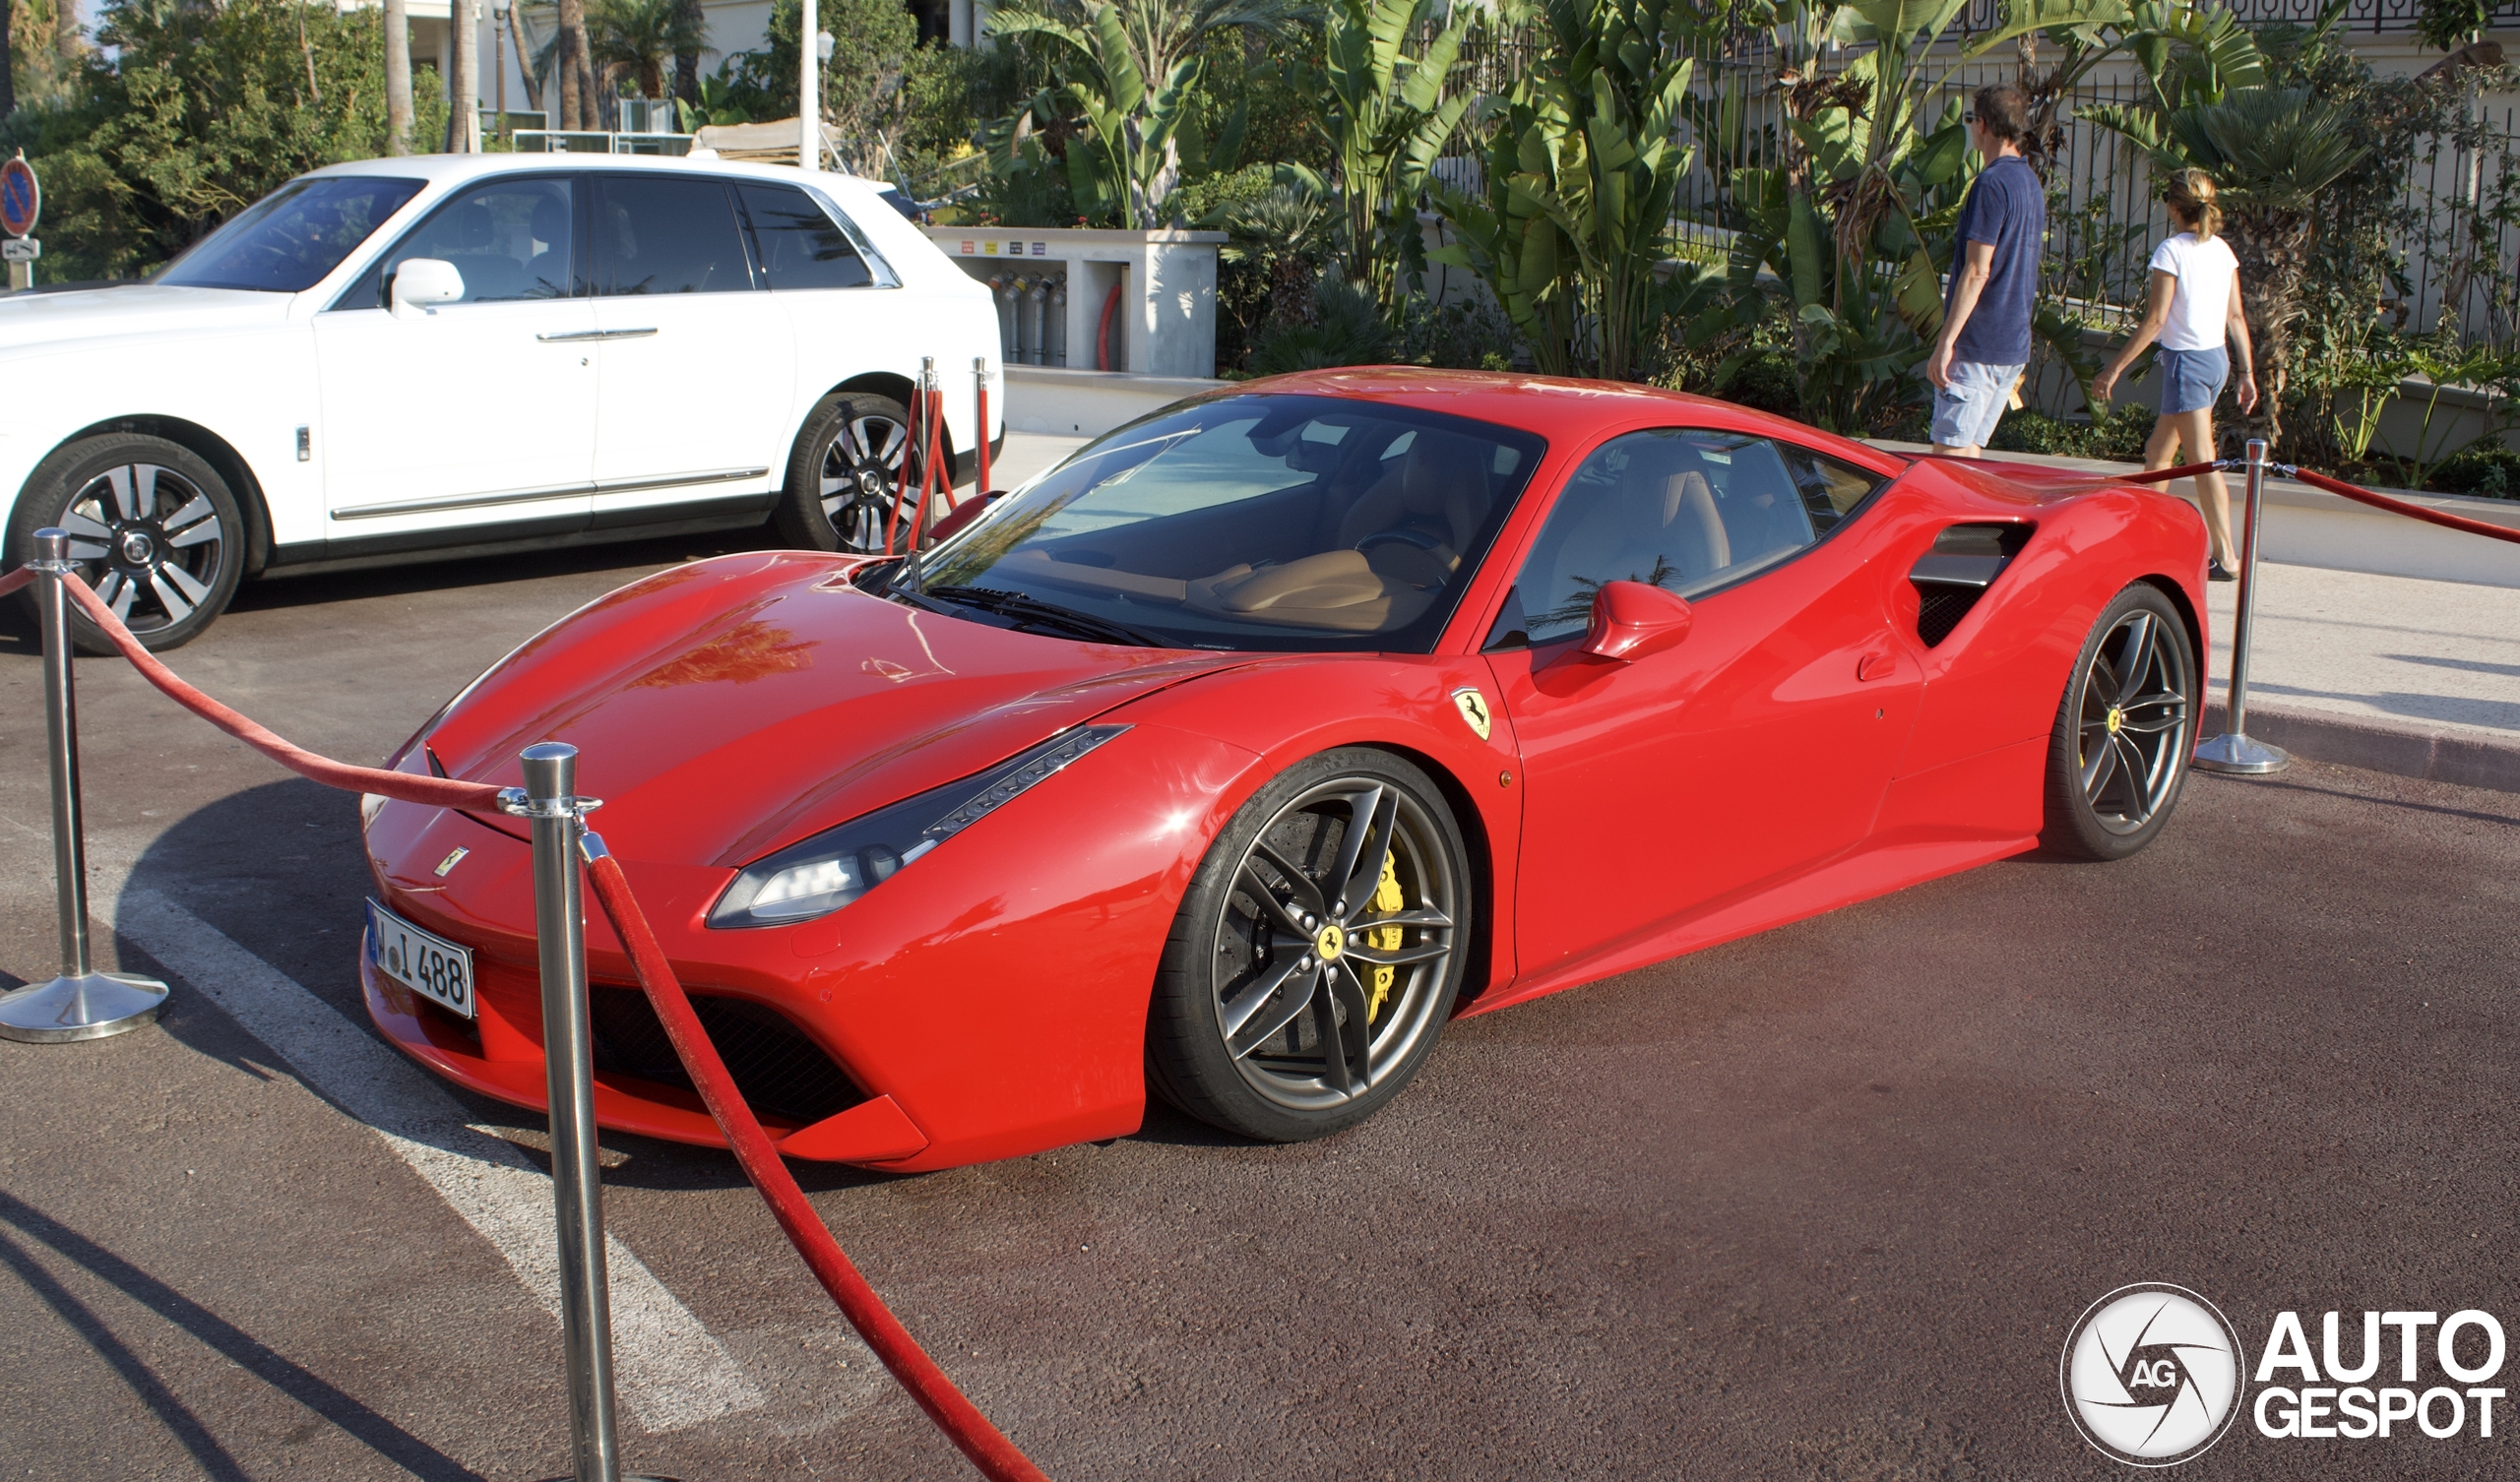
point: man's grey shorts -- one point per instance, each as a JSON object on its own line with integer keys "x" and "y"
{"x": 1966, "y": 411}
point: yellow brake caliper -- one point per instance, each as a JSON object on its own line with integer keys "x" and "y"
{"x": 1387, "y": 899}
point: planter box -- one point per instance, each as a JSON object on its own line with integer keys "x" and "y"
{"x": 1143, "y": 303}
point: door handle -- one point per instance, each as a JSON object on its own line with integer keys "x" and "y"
{"x": 578, "y": 336}
{"x": 1875, "y": 665}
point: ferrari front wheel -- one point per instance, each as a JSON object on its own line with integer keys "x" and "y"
{"x": 1317, "y": 952}
{"x": 2124, "y": 729}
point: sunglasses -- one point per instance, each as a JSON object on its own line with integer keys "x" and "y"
{"x": 1968, "y": 118}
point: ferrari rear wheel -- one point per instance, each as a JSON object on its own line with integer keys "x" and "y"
{"x": 1317, "y": 953}
{"x": 2124, "y": 730}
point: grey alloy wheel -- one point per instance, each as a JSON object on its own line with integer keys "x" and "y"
{"x": 853, "y": 477}
{"x": 153, "y": 528}
{"x": 2124, "y": 730}
{"x": 1317, "y": 956}
{"x": 864, "y": 479}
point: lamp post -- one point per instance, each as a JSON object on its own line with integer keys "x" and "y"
{"x": 809, "y": 90}
{"x": 499, "y": 60}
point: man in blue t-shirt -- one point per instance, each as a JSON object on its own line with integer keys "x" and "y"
{"x": 1985, "y": 316}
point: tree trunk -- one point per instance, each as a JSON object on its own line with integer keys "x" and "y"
{"x": 591, "y": 109}
{"x": 398, "y": 78}
{"x": 570, "y": 63}
{"x": 524, "y": 60}
{"x": 8, "y": 90}
{"x": 686, "y": 64}
{"x": 464, "y": 93}
{"x": 2272, "y": 252}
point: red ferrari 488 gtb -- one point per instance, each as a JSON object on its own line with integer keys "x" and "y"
{"x": 1241, "y": 752}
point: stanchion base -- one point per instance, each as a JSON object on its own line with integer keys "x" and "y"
{"x": 2235, "y": 753}
{"x": 84, "y": 1008}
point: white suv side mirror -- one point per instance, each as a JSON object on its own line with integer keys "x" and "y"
{"x": 425, "y": 281}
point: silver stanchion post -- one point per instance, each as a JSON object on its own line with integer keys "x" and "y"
{"x": 2234, "y": 751}
{"x": 82, "y": 1003}
{"x": 549, "y": 801}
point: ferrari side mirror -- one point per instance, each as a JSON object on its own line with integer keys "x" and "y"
{"x": 1632, "y": 619}
{"x": 964, "y": 514}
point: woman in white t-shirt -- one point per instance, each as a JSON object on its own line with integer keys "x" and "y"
{"x": 2195, "y": 314}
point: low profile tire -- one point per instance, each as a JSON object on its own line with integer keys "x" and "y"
{"x": 2125, "y": 730}
{"x": 851, "y": 470}
{"x": 152, "y": 526}
{"x": 1317, "y": 953}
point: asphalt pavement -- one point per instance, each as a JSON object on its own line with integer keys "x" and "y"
{"x": 1823, "y": 1202}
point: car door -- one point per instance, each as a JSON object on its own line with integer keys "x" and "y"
{"x": 1756, "y": 747}
{"x": 481, "y": 412}
{"x": 698, "y": 363}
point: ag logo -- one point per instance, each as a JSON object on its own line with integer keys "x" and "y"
{"x": 1473, "y": 709}
{"x": 2152, "y": 1375}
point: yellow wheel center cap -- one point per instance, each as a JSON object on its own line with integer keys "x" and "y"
{"x": 1330, "y": 943}
{"x": 2116, "y": 718}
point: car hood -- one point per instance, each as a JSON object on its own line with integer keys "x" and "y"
{"x": 726, "y": 708}
{"x": 46, "y": 320}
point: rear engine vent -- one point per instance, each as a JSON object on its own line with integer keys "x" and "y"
{"x": 779, "y": 1070}
{"x": 1965, "y": 561}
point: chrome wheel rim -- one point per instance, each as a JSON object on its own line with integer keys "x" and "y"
{"x": 2132, "y": 732}
{"x": 150, "y": 542}
{"x": 1335, "y": 944}
{"x": 864, "y": 480}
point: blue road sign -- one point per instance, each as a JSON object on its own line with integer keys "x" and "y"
{"x": 19, "y": 198}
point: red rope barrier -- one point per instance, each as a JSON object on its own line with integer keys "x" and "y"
{"x": 434, "y": 792}
{"x": 954, "y": 1414}
{"x": 2344, "y": 490}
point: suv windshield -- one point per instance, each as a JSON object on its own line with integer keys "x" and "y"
{"x": 288, "y": 241}
{"x": 1257, "y": 522}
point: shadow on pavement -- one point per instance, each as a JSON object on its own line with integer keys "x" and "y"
{"x": 19, "y": 634}
{"x": 221, "y": 1336}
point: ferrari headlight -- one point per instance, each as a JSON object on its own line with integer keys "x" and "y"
{"x": 819, "y": 875}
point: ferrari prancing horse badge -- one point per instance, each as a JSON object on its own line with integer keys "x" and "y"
{"x": 1473, "y": 709}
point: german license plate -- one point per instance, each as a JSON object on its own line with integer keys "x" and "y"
{"x": 426, "y": 963}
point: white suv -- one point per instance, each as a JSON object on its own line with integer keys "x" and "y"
{"x": 455, "y": 354}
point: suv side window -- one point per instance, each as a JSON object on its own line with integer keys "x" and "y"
{"x": 801, "y": 246}
{"x": 666, "y": 233}
{"x": 1682, "y": 509}
{"x": 511, "y": 240}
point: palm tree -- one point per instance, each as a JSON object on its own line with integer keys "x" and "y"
{"x": 1160, "y": 34}
{"x": 398, "y": 78}
{"x": 2271, "y": 151}
{"x": 639, "y": 41}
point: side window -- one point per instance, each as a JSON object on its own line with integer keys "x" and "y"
{"x": 801, "y": 246}
{"x": 510, "y": 239}
{"x": 667, "y": 234}
{"x": 1684, "y": 510}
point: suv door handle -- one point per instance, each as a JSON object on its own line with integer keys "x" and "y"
{"x": 581, "y": 335}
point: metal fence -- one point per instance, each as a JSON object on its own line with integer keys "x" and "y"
{"x": 2107, "y": 216}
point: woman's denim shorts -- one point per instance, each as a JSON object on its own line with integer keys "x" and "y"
{"x": 2192, "y": 380}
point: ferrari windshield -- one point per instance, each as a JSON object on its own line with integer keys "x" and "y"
{"x": 288, "y": 241}
{"x": 1282, "y": 522}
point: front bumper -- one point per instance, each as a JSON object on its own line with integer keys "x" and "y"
{"x": 873, "y": 1131}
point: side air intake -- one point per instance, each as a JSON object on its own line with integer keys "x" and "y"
{"x": 1965, "y": 561}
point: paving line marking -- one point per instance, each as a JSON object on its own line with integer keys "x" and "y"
{"x": 671, "y": 1371}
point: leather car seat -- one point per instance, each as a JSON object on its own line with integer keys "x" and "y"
{"x": 1439, "y": 500}
{"x": 1663, "y": 510}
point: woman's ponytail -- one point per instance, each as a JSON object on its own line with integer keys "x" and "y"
{"x": 2190, "y": 198}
